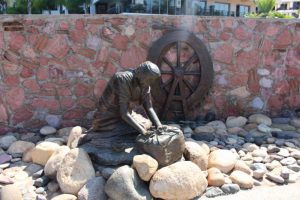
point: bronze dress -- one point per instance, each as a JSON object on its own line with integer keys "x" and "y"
{"x": 121, "y": 89}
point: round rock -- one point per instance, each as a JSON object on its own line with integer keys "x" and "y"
{"x": 93, "y": 190}
{"x": 55, "y": 161}
{"x": 181, "y": 180}
{"x": 195, "y": 153}
{"x": 6, "y": 141}
{"x": 215, "y": 177}
{"x": 43, "y": 151}
{"x": 145, "y": 166}
{"x": 230, "y": 188}
{"x": 76, "y": 169}
{"x": 242, "y": 179}
{"x": 260, "y": 119}
{"x": 20, "y": 147}
{"x": 47, "y": 130}
{"x": 222, "y": 159}
{"x": 125, "y": 183}
{"x": 236, "y": 121}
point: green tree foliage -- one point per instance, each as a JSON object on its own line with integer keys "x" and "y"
{"x": 265, "y": 6}
{"x": 77, "y": 6}
{"x": 49, "y": 5}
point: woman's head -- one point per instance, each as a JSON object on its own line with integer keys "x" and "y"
{"x": 147, "y": 72}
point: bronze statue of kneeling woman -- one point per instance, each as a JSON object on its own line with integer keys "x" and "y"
{"x": 125, "y": 91}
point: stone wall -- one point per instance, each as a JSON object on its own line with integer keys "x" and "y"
{"x": 54, "y": 68}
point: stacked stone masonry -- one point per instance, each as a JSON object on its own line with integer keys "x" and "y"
{"x": 54, "y": 68}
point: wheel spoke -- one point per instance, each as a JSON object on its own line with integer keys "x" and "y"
{"x": 190, "y": 61}
{"x": 167, "y": 62}
{"x": 178, "y": 53}
{"x": 183, "y": 100}
{"x": 170, "y": 97}
{"x": 188, "y": 84}
{"x": 166, "y": 83}
{"x": 192, "y": 73}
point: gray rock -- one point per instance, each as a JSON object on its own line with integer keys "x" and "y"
{"x": 260, "y": 119}
{"x": 295, "y": 167}
{"x": 54, "y": 120}
{"x": 281, "y": 120}
{"x": 52, "y": 186}
{"x": 273, "y": 149}
{"x": 256, "y": 182}
{"x": 47, "y": 130}
{"x": 258, "y": 166}
{"x": 295, "y": 122}
{"x": 33, "y": 168}
{"x": 265, "y": 82}
{"x": 93, "y": 190}
{"x": 285, "y": 173}
{"x": 6, "y": 141}
{"x": 230, "y": 188}
{"x": 275, "y": 178}
{"x": 124, "y": 183}
{"x": 284, "y": 127}
{"x": 264, "y": 128}
{"x": 38, "y": 173}
{"x": 236, "y": 121}
{"x": 290, "y": 144}
{"x": 280, "y": 142}
{"x": 107, "y": 172}
{"x": 213, "y": 192}
{"x": 217, "y": 125}
{"x": 41, "y": 182}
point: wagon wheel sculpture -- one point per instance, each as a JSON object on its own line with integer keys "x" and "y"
{"x": 187, "y": 74}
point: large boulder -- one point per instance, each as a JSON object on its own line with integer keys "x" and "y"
{"x": 93, "y": 190}
{"x": 181, "y": 180}
{"x": 11, "y": 192}
{"x": 125, "y": 183}
{"x": 215, "y": 177}
{"x": 43, "y": 151}
{"x": 165, "y": 145}
{"x": 65, "y": 197}
{"x": 145, "y": 166}
{"x": 20, "y": 147}
{"x": 195, "y": 153}
{"x": 224, "y": 160}
{"x": 242, "y": 179}
{"x": 75, "y": 170}
{"x": 55, "y": 161}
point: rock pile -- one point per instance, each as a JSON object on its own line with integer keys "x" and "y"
{"x": 240, "y": 153}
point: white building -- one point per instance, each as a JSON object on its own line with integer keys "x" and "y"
{"x": 289, "y": 7}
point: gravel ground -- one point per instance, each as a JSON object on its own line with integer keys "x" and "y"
{"x": 285, "y": 192}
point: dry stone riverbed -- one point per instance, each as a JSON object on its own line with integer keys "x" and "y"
{"x": 257, "y": 157}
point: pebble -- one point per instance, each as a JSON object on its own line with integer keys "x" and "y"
{"x": 4, "y": 166}
{"x": 230, "y": 188}
{"x": 295, "y": 154}
{"x": 295, "y": 167}
{"x": 285, "y": 173}
{"x": 33, "y": 168}
{"x": 259, "y": 173}
{"x": 41, "y": 182}
{"x": 40, "y": 190}
{"x": 288, "y": 161}
{"x": 280, "y": 142}
{"x": 264, "y": 128}
{"x": 275, "y": 178}
{"x": 213, "y": 192}
{"x": 41, "y": 197}
{"x": 47, "y": 130}
{"x": 4, "y": 158}
{"x": 38, "y": 173}
{"x": 52, "y": 186}
{"x": 289, "y": 144}
{"x": 273, "y": 149}
{"x": 283, "y": 153}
